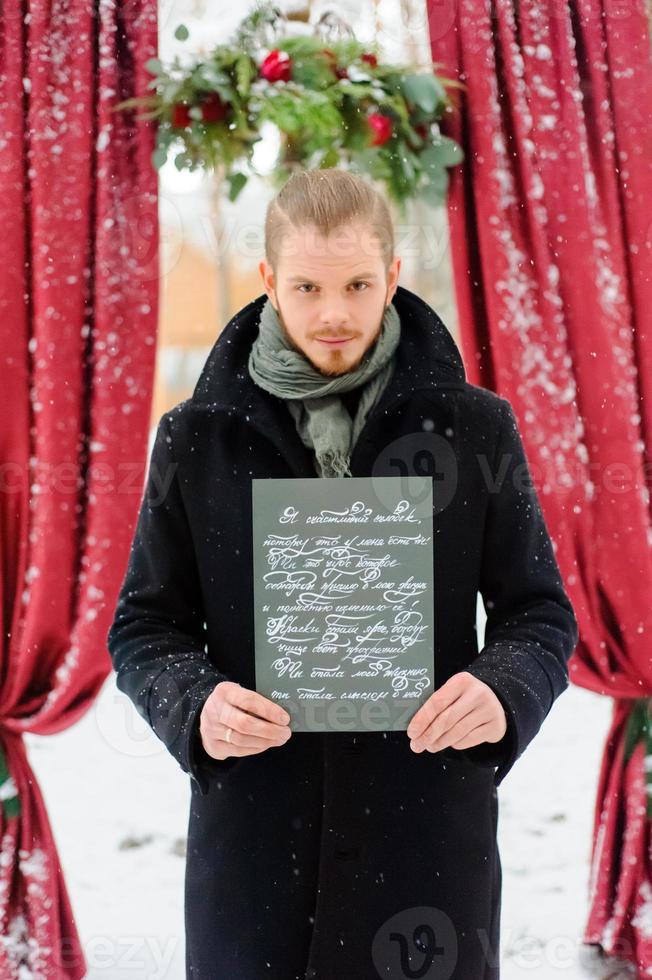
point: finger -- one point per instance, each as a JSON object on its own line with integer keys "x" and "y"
{"x": 446, "y": 719}
{"x": 426, "y": 714}
{"x": 258, "y": 705}
{"x": 435, "y": 704}
{"x": 219, "y": 749}
{"x": 474, "y": 737}
{"x": 244, "y": 740}
{"x": 250, "y": 724}
{"x": 453, "y": 735}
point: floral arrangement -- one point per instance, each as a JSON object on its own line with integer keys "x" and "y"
{"x": 334, "y": 104}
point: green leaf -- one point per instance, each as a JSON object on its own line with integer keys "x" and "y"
{"x": 182, "y": 33}
{"x": 210, "y": 76}
{"x": 402, "y": 172}
{"x": 11, "y": 804}
{"x": 355, "y": 96}
{"x": 372, "y": 162}
{"x": 245, "y": 72}
{"x": 134, "y": 102}
{"x": 310, "y": 115}
{"x": 11, "y": 807}
{"x": 159, "y": 157}
{"x": 181, "y": 160}
{"x": 236, "y": 183}
{"x": 165, "y": 136}
{"x": 331, "y": 158}
{"x": 424, "y": 90}
{"x": 170, "y": 90}
{"x": 635, "y": 727}
{"x": 436, "y": 157}
{"x": 151, "y": 115}
{"x": 349, "y": 50}
{"x": 315, "y": 73}
{"x": 356, "y": 133}
{"x": 153, "y": 66}
{"x": 302, "y": 46}
{"x": 442, "y": 152}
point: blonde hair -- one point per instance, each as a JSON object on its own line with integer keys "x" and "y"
{"x": 329, "y": 199}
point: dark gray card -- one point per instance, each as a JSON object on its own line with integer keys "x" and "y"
{"x": 343, "y": 599}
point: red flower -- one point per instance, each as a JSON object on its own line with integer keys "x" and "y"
{"x": 277, "y": 66}
{"x": 212, "y": 108}
{"x": 181, "y": 115}
{"x": 371, "y": 59}
{"x": 381, "y": 126}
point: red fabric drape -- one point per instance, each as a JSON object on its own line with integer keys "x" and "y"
{"x": 78, "y": 307}
{"x": 550, "y": 219}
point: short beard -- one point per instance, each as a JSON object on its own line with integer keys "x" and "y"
{"x": 328, "y": 372}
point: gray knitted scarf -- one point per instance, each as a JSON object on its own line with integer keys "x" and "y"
{"x": 321, "y": 418}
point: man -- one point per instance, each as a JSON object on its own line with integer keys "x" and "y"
{"x": 340, "y": 856}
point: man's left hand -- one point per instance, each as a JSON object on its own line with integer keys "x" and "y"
{"x": 463, "y": 712}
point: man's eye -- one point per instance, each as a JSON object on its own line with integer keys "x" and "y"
{"x": 308, "y": 285}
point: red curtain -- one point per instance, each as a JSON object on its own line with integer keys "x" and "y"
{"x": 550, "y": 219}
{"x": 78, "y": 308}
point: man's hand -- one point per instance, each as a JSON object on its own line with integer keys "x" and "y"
{"x": 463, "y": 712}
{"x": 256, "y": 723}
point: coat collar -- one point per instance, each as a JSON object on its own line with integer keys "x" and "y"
{"x": 426, "y": 357}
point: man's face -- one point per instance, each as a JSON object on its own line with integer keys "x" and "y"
{"x": 331, "y": 293}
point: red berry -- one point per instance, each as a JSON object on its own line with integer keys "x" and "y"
{"x": 181, "y": 115}
{"x": 371, "y": 59}
{"x": 212, "y": 108}
{"x": 277, "y": 66}
{"x": 381, "y": 126}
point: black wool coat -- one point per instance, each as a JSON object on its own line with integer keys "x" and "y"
{"x": 341, "y": 856}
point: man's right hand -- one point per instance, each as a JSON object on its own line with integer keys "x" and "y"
{"x": 256, "y": 723}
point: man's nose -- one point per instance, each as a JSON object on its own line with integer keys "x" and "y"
{"x": 333, "y": 317}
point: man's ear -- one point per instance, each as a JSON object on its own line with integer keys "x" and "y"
{"x": 392, "y": 277}
{"x": 267, "y": 276}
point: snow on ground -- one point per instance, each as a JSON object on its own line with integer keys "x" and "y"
{"x": 118, "y": 805}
